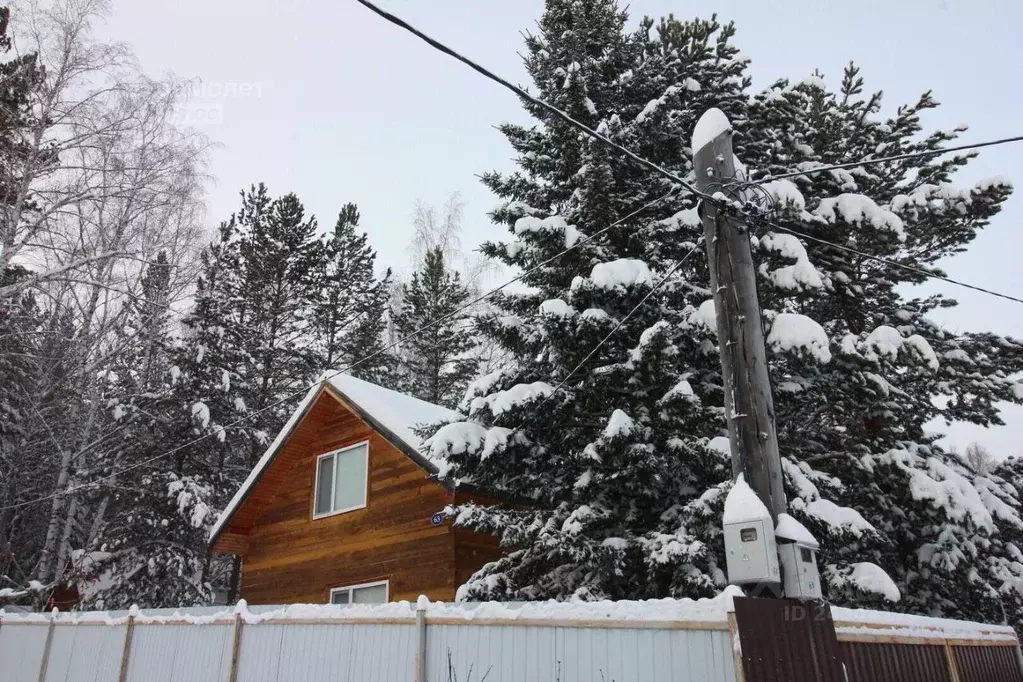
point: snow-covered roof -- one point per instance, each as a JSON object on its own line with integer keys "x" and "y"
{"x": 395, "y": 415}
{"x": 396, "y": 412}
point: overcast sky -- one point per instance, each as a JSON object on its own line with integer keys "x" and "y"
{"x": 342, "y": 106}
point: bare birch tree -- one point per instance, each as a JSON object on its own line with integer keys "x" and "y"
{"x": 106, "y": 181}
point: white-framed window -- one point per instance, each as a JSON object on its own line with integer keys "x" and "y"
{"x": 367, "y": 593}
{"x": 342, "y": 478}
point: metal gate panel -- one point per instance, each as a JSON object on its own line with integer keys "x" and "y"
{"x": 987, "y": 664}
{"x": 787, "y": 639}
{"x": 885, "y": 662}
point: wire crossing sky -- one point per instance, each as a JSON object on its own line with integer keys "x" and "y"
{"x": 345, "y": 108}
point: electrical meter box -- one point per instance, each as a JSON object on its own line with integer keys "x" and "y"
{"x": 797, "y": 550}
{"x": 750, "y": 551}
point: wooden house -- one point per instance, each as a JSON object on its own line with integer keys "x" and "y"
{"x": 345, "y": 507}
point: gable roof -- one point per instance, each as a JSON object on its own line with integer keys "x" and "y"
{"x": 392, "y": 414}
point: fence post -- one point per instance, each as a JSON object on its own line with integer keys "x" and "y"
{"x": 953, "y": 667}
{"x": 236, "y": 647}
{"x": 421, "y": 605}
{"x": 46, "y": 647}
{"x": 122, "y": 676}
{"x": 733, "y": 638}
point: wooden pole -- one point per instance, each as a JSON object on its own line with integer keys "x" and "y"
{"x": 420, "y": 640}
{"x": 733, "y": 638}
{"x": 129, "y": 632}
{"x": 45, "y": 663}
{"x": 236, "y": 647}
{"x": 950, "y": 660}
{"x": 749, "y": 407}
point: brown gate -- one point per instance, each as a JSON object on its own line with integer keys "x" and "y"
{"x": 787, "y": 640}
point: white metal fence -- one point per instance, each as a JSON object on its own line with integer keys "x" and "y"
{"x": 664, "y": 640}
{"x": 389, "y": 643}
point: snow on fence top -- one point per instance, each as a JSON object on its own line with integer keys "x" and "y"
{"x": 711, "y": 613}
{"x": 851, "y": 622}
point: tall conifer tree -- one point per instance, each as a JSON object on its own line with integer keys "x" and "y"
{"x": 436, "y": 363}
{"x": 623, "y": 462}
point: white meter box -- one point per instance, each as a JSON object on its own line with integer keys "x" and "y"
{"x": 752, "y": 556}
{"x": 750, "y": 550}
{"x": 797, "y": 548}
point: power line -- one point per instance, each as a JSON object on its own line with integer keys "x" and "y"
{"x": 353, "y": 365}
{"x": 618, "y": 326}
{"x": 650, "y": 165}
{"x": 885, "y": 159}
{"x": 894, "y": 263}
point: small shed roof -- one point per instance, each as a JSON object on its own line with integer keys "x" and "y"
{"x": 392, "y": 414}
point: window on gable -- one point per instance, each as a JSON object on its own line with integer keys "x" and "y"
{"x": 370, "y": 593}
{"x": 341, "y": 480}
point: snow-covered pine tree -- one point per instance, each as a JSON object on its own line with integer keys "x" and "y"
{"x": 269, "y": 315}
{"x": 349, "y": 303}
{"x": 857, "y": 363}
{"x": 278, "y": 253}
{"x": 146, "y": 543}
{"x": 1006, "y": 549}
{"x": 246, "y": 344}
{"x": 611, "y": 465}
{"x": 23, "y": 470}
{"x": 26, "y": 333}
{"x": 436, "y": 364}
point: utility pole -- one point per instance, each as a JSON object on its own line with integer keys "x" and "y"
{"x": 749, "y": 407}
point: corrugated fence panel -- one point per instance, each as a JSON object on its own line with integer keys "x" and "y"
{"x": 85, "y": 653}
{"x": 346, "y": 652}
{"x": 576, "y": 654}
{"x": 335, "y": 652}
{"x": 468, "y": 652}
{"x": 987, "y": 664}
{"x": 180, "y": 653}
{"x": 260, "y": 652}
{"x": 21, "y": 650}
{"x": 881, "y": 662}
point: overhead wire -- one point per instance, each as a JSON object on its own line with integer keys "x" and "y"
{"x": 223, "y": 428}
{"x": 436, "y": 44}
{"x": 893, "y": 263}
{"x": 887, "y": 159}
{"x": 618, "y": 326}
{"x": 675, "y": 178}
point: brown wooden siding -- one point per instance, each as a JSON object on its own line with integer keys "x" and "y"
{"x": 290, "y": 557}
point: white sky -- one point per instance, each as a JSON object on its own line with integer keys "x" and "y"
{"x": 351, "y": 108}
